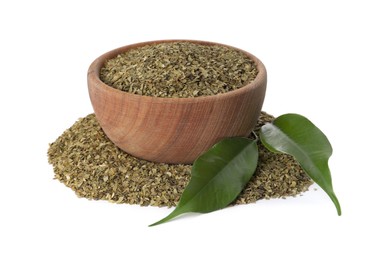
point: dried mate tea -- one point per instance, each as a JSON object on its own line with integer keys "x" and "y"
{"x": 86, "y": 161}
{"x": 179, "y": 69}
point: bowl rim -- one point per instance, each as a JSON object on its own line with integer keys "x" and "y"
{"x": 93, "y": 74}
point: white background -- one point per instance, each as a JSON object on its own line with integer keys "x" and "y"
{"x": 321, "y": 58}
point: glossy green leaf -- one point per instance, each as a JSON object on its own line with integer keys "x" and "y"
{"x": 296, "y": 135}
{"x": 218, "y": 176}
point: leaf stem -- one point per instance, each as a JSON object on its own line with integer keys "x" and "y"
{"x": 256, "y": 136}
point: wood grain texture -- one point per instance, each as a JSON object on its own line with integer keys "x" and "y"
{"x": 173, "y": 130}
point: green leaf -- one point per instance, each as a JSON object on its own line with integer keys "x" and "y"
{"x": 218, "y": 176}
{"x": 296, "y": 135}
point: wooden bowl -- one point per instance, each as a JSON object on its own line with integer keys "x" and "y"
{"x": 173, "y": 130}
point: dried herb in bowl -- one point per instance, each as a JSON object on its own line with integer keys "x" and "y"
{"x": 179, "y": 69}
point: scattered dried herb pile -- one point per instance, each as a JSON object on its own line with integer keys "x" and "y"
{"x": 179, "y": 69}
{"x": 86, "y": 161}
